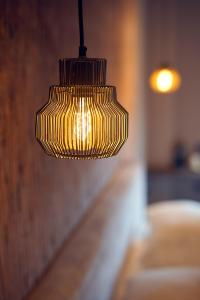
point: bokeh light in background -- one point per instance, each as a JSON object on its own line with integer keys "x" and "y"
{"x": 165, "y": 80}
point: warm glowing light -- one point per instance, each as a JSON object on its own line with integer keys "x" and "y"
{"x": 165, "y": 80}
{"x": 82, "y": 122}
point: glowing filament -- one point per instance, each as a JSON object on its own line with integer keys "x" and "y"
{"x": 82, "y": 124}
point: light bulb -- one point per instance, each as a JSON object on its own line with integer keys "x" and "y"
{"x": 165, "y": 80}
{"x": 83, "y": 122}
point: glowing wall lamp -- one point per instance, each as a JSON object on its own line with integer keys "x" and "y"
{"x": 82, "y": 119}
{"x": 165, "y": 80}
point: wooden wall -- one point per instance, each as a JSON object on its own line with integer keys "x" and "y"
{"x": 42, "y": 199}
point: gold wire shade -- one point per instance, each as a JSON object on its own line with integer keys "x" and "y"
{"x": 82, "y": 122}
{"x": 83, "y": 119}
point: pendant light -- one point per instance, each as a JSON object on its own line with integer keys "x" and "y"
{"x": 82, "y": 119}
{"x": 165, "y": 80}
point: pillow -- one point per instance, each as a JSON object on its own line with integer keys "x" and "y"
{"x": 164, "y": 284}
{"x": 174, "y": 212}
{"x": 175, "y": 235}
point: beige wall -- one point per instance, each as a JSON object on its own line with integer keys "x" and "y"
{"x": 172, "y": 33}
{"x": 44, "y": 199}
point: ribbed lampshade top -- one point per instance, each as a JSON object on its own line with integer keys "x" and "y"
{"x": 82, "y": 71}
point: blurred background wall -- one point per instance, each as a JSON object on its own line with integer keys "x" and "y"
{"x": 172, "y": 36}
{"x": 43, "y": 199}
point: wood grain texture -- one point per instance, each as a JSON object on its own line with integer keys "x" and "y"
{"x": 43, "y": 199}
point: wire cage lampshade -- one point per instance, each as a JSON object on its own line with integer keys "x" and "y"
{"x": 82, "y": 119}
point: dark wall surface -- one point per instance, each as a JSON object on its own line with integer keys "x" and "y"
{"x": 172, "y": 36}
{"x": 41, "y": 198}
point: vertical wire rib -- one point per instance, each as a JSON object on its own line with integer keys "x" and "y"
{"x": 84, "y": 71}
{"x": 82, "y": 122}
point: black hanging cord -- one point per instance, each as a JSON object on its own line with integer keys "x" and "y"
{"x": 82, "y": 47}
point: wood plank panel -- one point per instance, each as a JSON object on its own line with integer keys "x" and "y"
{"x": 87, "y": 267}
